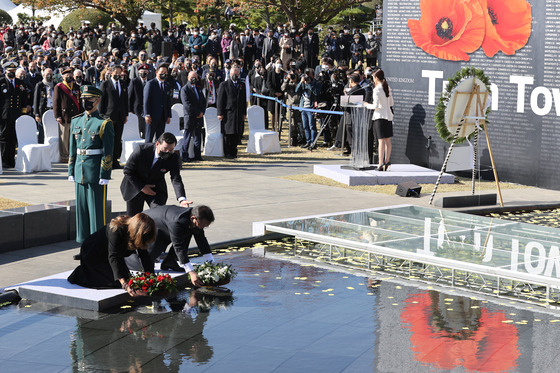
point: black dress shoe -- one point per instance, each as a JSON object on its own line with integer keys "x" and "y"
{"x": 77, "y": 257}
{"x": 172, "y": 266}
{"x": 200, "y": 159}
{"x": 117, "y": 166}
{"x": 304, "y": 146}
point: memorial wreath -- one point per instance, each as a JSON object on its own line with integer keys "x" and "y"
{"x": 153, "y": 283}
{"x": 214, "y": 274}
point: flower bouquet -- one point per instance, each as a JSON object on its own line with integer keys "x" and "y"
{"x": 153, "y": 284}
{"x": 214, "y": 274}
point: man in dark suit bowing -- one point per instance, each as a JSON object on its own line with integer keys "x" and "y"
{"x": 157, "y": 104}
{"x": 176, "y": 225}
{"x": 194, "y": 105}
{"x": 114, "y": 104}
{"x": 232, "y": 110}
{"x": 144, "y": 175}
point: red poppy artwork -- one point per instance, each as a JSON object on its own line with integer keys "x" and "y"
{"x": 451, "y": 29}
{"x": 508, "y": 26}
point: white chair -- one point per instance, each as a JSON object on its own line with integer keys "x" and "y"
{"x": 30, "y": 155}
{"x": 214, "y": 140}
{"x": 174, "y": 126}
{"x": 261, "y": 141}
{"x": 50, "y": 125}
{"x": 130, "y": 137}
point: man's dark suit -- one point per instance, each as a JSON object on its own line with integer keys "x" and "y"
{"x": 13, "y": 101}
{"x": 114, "y": 104}
{"x": 194, "y": 104}
{"x": 270, "y": 48}
{"x": 157, "y": 105}
{"x": 311, "y": 50}
{"x": 139, "y": 172}
{"x": 136, "y": 103}
{"x": 232, "y": 105}
{"x": 93, "y": 75}
{"x": 174, "y": 226}
{"x": 41, "y": 103}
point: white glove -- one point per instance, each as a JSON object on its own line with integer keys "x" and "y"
{"x": 208, "y": 257}
{"x": 103, "y": 182}
{"x": 71, "y": 178}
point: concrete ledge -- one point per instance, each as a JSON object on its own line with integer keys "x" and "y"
{"x": 11, "y": 230}
{"x": 42, "y": 224}
{"x": 399, "y": 173}
{"x": 56, "y": 289}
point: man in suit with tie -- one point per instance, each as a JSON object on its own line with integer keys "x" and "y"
{"x": 114, "y": 104}
{"x": 176, "y": 225}
{"x": 13, "y": 104}
{"x": 194, "y": 105}
{"x": 232, "y": 110}
{"x": 144, "y": 175}
{"x": 136, "y": 97}
{"x": 157, "y": 104}
{"x": 43, "y": 100}
{"x": 93, "y": 73}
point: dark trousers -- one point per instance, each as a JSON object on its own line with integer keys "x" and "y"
{"x": 136, "y": 205}
{"x": 117, "y": 149}
{"x": 141, "y": 126}
{"x": 193, "y": 132}
{"x": 230, "y": 145}
{"x": 8, "y": 142}
{"x": 155, "y": 129}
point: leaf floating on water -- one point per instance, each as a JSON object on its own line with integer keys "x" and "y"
{"x": 327, "y": 290}
{"x": 262, "y": 286}
{"x": 450, "y": 309}
{"x": 507, "y": 321}
{"x": 297, "y": 293}
{"x": 344, "y": 276}
{"x": 349, "y": 288}
{"x": 550, "y": 320}
{"x": 394, "y": 304}
{"x": 126, "y": 306}
{"x": 448, "y": 299}
{"x": 27, "y": 306}
{"x": 279, "y": 278}
{"x": 475, "y": 307}
{"x": 149, "y": 307}
{"x": 398, "y": 287}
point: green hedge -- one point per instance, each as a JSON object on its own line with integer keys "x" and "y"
{"x": 75, "y": 18}
{"x": 5, "y": 17}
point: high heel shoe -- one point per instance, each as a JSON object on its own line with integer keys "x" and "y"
{"x": 381, "y": 168}
{"x": 387, "y": 166}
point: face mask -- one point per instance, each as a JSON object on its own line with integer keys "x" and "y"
{"x": 346, "y": 31}
{"x": 278, "y": 65}
{"x": 370, "y": 37}
{"x": 32, "y": 70}
{"x": 324, "y": 67}
{"x": 99, "y": 66}
{"x": 68, "y": 79}
{"x": 78, "y": 79}
{"x": 122, "y": 77}
{"x": 88, "y": 105}
{"x": 195, "y": 34}
{"x": 164, "y": 155}
{"x": 143, "y": 57}
{"x": 173, "y": 75}
{"x": 143, "y": 74}
{"x": 193, "y": 81}
{"x": 234, "y": 77}
{"x": 49, "y": 78}
{"x": 162, "y": 76}
{"x": 11, "y": 74}
{"x": 116, "y": 77}
{"x": 378, "y": 32}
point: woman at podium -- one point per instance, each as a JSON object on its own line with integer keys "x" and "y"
{"x": 382, "y": 106}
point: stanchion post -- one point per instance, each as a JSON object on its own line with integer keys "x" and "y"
{"x": 289, "y": 125}
{"x": 274, "y": 123}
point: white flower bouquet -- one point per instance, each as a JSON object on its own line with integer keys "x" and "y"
{"x": 214, "y": 274}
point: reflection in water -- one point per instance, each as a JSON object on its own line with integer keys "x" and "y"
{"x": 162, "y": 340}
{"x": 452, "y": 332}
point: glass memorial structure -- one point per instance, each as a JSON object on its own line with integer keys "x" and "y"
{"x": 483, "y": 254}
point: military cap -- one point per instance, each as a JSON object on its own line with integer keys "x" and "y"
{"x": 40, "y": 53}
{"x": 59, "y": 50}
{"x": 125, "y": 55}
{"x": 35, "y": 47}
{"x": 10, "y": 65}
{"x": 143, "y": 67}
{"x": 70, "y": 50}
{"x": 90, "y": 91}
{"x": 22, "y": 51}
{"x": 9, "y": 49}
{"x": 77, "y": 53}
{"x": 67, "y": 70}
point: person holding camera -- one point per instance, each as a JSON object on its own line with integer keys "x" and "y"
{"x": 292, "y": 98}
{"x": 308, "y": 88}
{"x": 274, "y": 88}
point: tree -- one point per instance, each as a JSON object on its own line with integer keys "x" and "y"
{"x": 308, "y": 13}
{"x": 127, "y": 12}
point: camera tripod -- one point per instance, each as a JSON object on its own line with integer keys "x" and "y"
{"x": 325, "y": 124}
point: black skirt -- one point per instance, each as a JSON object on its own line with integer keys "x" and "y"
{"x": 383, "y": 128}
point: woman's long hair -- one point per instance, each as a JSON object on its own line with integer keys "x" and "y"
{"x": 380, "y": 75}
{"x": 141, "y": 229}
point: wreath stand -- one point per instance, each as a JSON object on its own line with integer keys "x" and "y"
{"x": 479, "y": 118}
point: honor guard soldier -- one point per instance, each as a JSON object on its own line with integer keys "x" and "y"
{"x": 90, "y": 163}
{"x": 13, "y": 104}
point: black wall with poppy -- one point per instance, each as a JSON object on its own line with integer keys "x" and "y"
{"x": 427, "y": 42}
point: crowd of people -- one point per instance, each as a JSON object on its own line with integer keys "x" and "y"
{"x": 94, "y": 77}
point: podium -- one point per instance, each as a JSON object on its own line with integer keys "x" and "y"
{"x": 361, "y": 118}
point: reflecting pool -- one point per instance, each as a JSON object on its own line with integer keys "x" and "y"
{"x": 286, "y": 316}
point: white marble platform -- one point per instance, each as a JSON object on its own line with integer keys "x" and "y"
{"x": 55, "y": 289}
{"x": 399, "y": 173}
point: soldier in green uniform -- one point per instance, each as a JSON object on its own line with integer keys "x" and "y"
{"x": 89, "y": 166}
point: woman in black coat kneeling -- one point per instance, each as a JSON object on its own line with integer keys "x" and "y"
{"x": 102, "y": 263}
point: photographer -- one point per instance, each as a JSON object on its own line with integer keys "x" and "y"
{"x": 292, "y": 98}
{"x": 308, "y": 88}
